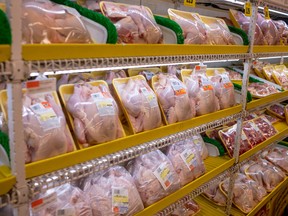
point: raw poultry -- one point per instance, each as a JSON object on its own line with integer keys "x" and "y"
{"x": 190, "y": 208}
{"x": 215, "y": 194}
{"x": 198, "y": 141}
{"x": 261, "y": 89}
{"x": 279, "y": 157}
{"x": 283, "y": 30}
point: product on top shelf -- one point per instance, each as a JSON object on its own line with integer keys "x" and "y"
{"x": 139, "y": 102}
{"x": 253, "y": 133}
{"x": 186, "y": 160}
{"x": 233, "y": 75}
{"x": 63, "y": 200}
{"x": 259, "y": 90}
{"x": 279, "y": 157}
{"x": 113, "y": 192}
{"x": 215, "y": 194}
{"x": 154, "y": 176}
{"x": 46, "y": 23}
{"x": 190, "y": 208}
{"x": 173, "y": 97}
{"x": 246, "y": 192}
{"x": 277, "y": 110}
{"x": 280, "y": 75}
{"x": 265, "y": 126}
{"x": 134, "y": 24}
{"x": 283, "y": 30}
{"x": 74, "y": 78}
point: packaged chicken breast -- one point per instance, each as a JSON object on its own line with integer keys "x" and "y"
{"x": 190, "y": 208}
{"x": 135, "y": 24}
{"x": 44, "y": 22}
{"x": 260, "y": 90}
{"x": 280, "y": 75}
{"x": 173, "y": 97}
{"x": 112, "y": 192}
{"x": 93, "y": 112}
{"x": 277, "y": 109}
{"x": 265, "y": 126}
{"x": 62, "y": 200}
{"x": 198, "y": 141}
{"x": 139, "y": 103}
{"x": 279, "y": 157}
{"x": 253, "y": 133}
{"x": 283, "y": 31}
{"x": 214, "y": 194}
{"x": 154, "y": 176}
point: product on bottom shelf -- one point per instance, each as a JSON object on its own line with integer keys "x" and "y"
{"x": 186, "y": 160}
{"x": 112, "y": 192}
{"x": 62, "y": 200}
{"x": 259, "y": 90}
{"x": 264, "y": 125}
{"x": 139, "y": 103}
{"x": 253, "y": 133}
{"x": 277, "y": 110}
{"x": 173, "y": 98}
{"x": 45, "y": 23}
{"x": 279, "y": 157}
{"x": 154, "y": 176}
{"x": 246, "y": 192}
{"x": 215, "y": 194}
{"x": 134, "y": 24}
{"x": 190, "y": 208}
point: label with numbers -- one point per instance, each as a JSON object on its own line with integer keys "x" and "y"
{"x": 40, "y": 86}
{"x": 190, "y": 3}
{"x": 226, "y": 81}
{"x": 148, "y": 74}
{"x": 189, "y": 159}
{"x": 206, "y": 84}
{"x": 44, "y": 202}
{"x": 248, "y": 9}
{"x": 66, "y": 212}
{"x": 150, "y": 96}
{"x": 120, "y": 200}
{"x": 178, "y": 87}
{"x": 200, "y": 69}
{"x": 266, "y": 12}
{"x": 104, "y": 105}
{"x": 164, "y": 175}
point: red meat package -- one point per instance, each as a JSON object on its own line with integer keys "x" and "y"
{"x": 253, "y": 133}
{"x": 266, "y": 128}
{"x": 277, "y": 110}
{"x": 190, "y": 208}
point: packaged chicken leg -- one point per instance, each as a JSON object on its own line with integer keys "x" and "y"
{"x": 266, "y": 128}
{"x": 190, "y": 208}
{"x": 173, "y": 97}
{"x": 139, "y": 103}
{"x": 279, "y": 157}
{"x": 280, "y": 75}
{"x": 135, "y": 24}
{"x": 154, "y": 176}
{"x": 112, "y": 192}
{"x": 215, "y": 194}
{"x": 62, "y": 200}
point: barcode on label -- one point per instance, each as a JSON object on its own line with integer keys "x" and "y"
{"x": 61, "y": 212}
{"x": 144, "y": 90}
{"x": 37, "y": 107}
{"x": 175, "y": 83}
{"x": 117, "y": 191}
{"x": 97, "y": 95}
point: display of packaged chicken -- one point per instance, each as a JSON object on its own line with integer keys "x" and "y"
{"x": 283, "y": 30}
{"x": 186, "y": 160}
{"x": 246, "y": 192}
{"x": 135, "y": 24}
{"x": 215, "y": 194}
{"x": 265, "y": 126}
{"x": 265, "y": 174}
{"x": 190, "y": 208}
{"x": 154, "y": 176}
{"x": 277, "y": 110}
{"x": 173, "y": 97}
{"x": 63, "y": 200}
{"x": 281, "y": 77}
{"x": 200, "y": 145}
{"x": 253, "y": 133}
{"x": 259, "y": 90}
{"x": 139, "y": 103}
{"x": 279, "y": 157}
{"x": 75, "y": 78}
{"x": 113, "y": 192}
{"x": 233, "y": 75}
{"x": 93, "y": 112}
{"x": 91, "y": 5}
{"x": 44, "y": 22}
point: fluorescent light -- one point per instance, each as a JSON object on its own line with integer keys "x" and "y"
{"x": 235, "y": 2}
{"x": 273, "y": 57}
{"x": 274, "y": 11}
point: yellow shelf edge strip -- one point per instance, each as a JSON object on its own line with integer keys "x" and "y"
{"x": 5, "y": 53}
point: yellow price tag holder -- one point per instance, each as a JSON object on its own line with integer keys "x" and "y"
{"x": 190, "y": 3}
{"x": 248, "y": 9}
{"x": 266, "y": 12}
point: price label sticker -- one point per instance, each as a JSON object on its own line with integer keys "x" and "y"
{"x": 120, "y": 200}
{"x": 200, "y": 69}
{"x": 44, "y": 202}
{"x": 164, "y": 175}
{"x": 266, "y": 12}
{"x": 40, "y": 86}
{"x": 206, "y": 84}
{"x": 178, "y": 87}
{"x": 189, "y": 159}
{"x": 150, "y": 97}
{"x": 248, "y": 9}
{"x": 66, "y": 212}
{"x": 104, "y": 105}
{"x": 190, "y": 3}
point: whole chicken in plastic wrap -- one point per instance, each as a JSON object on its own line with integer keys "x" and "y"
{"x": 198, "y": 141}
{"x": 279, "y": 157}
{"x": 190, "y": 208}
{"x": 63, "y": 200}
{"x": 46, "y": 23}
{"x": 282, "y": 29}
{"x": 174, "y": 99}
{"x": 45, "y": 130}
{"x": 112, "y": 192}
{"x": 269, "y": 30}
{"x": 215, "y": 194}
{"x": 186, "y": 160}
{"x": 95, "y": 114}
{"x": 140, "y": 102}
{"x": 154, "y": 176}
{"x": 134, "y": 24}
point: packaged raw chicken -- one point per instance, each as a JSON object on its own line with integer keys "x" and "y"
{"x": 280, "y": 75}
{"x": 200, "y": 145}
{"x": 112, "y": 192}
{"x": 279, "y": 157}
{"x": 135, "y": 24}
{"x": 194, "y": 30}
{"x": 277, "y": 110}
{"x": 186, "y": 160}
{"x": 283, "y": 30}
{"x": 139, "y": 103}
{"x": 214, "y": 133}
{"x": 233, "y": 75}
{"x": 94, "y": 112}
{"x": 253, "y": 133}
{"x": 62, "y": 200}
{"x": 259, "y": 90}
{"x": 266, "y": 127}
{"x": 44, "y": 22}
{"x": 215, "y": 194}
{"x": 74, "y": 78}
{"x": 91, "y": 5}
{"x": 190, "y": 208}
{"x": 154, "y": 176}
{"x": 173, "y": 97}
{"x": 265, "y": 174}
{"x": 286, "y": 113}
{"x": 268, "y": 72}
{"x": 246, "y": 192}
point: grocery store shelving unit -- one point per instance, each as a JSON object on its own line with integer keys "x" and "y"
{"x": 18, "y": 62}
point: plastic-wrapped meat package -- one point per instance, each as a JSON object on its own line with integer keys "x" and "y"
{"x": 277, "y": 110}
{"x": 253, "y": 133}
{"x": 173, "y": 98}
{"x": 74, "y": 78}
{"x": 261, "y": 89}
{"x": 215, "y": 194}
{"x": 198, "y": 141}
{"x": 92, "y": 5}
{"x": 214, "y": 133}
{"x": 194, "y": 30}
{"x": 190, "y": 208}
{"x": 281, "y": 78}
{"x": 147, "y": 74}
{"x": 112, "y": 192}
{"x": 283, "y": 30}
{"x": 95, "y": 114}
{"x": 63, "y": 200}
{"x": 233, "y": 75}
{"x": 186, "y": 160}
{"x": 45, "y": 130}
{"x": 265, "y": 174}
{"x": 154, "y": 176}
{"x": 269, "y": 30}
{"x": 140, "y": 103}
{"x": 201, "y": 90}
{"x": 246, "y": 192}
{"x": 271, "y": 119}
{"x": 46, "y": 23}
{"x": 279, "y": 157}
{"x": 266, "y": 128}
{"x": 134, "y": 24}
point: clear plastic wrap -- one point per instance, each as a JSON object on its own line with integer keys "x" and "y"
{"x": 190, "y": 208}
{"x": 44, "y": 22}
{"x": 186, "y": 160}
{"x": 283, "y": 30}
{"x": 271, "y": 119}
{"x": 279, "y": 157}
{"x": 280, "y": 75}
{"x": 253, "y": 133}
{"x": 215, "y": 194}
{"x": 140, "y": 103}
{"x": 200, "y": 145}
{"x": 174, "y": 99}
{"x": 62, "y": 200}
{"x": 265, "y": 126}
{"x": 233, "y": 75}
{"x": 95, "y": 114}
{"x": 277, "y": 110}
{"x": 112, "y": 192}
{"x": 260, "y": 90}
{"x": 154, "y": 176}
{"x": 135, "y": 24}
{"x": 214, "y": 133}
{"x": 246, "y": 192}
